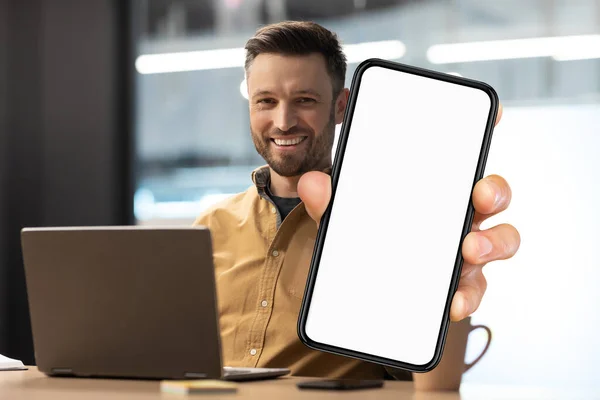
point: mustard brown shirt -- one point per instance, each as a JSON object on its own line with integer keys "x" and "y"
{"x": 261, "y": 266}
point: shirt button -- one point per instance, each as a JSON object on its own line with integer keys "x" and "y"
{"x": 275, "y": 253}
{"x": 273, "y": 210}
{"x": 253, "y": 352}
{"x": 264, "y": 303}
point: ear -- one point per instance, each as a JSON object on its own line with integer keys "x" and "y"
{"x": 340, "y": 105}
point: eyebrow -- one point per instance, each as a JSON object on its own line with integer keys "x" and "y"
{"x": 296, "y": 92}
{"x": 262, "y": 93}
{"x": 308, "y": 91}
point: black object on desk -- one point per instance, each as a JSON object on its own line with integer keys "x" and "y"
{"x": 341, "y": 384}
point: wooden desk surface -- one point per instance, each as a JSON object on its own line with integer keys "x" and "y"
{"x": 33, "y": 385}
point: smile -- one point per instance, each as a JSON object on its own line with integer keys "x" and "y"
{"x": 289, "y": 142}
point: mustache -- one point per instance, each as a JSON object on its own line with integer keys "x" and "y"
{"x": 291, "y": 132}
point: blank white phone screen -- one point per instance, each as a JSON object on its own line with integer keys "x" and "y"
{"x": 396, "y": 221}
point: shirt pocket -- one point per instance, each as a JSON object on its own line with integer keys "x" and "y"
{"x": 296, "y": 267}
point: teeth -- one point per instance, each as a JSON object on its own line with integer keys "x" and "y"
{"x": 289, "y": 142}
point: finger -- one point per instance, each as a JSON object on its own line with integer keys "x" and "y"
{"x": 314, "y": 189}
{"x": 499, "y": 115}
{"x": 491, "y": 195}
{"x": 497, "y": 243}
{"x": 471, "y": 288}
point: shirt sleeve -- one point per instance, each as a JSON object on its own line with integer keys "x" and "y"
{"x": 202, "y": 220}
{"x": 206, "y": 218}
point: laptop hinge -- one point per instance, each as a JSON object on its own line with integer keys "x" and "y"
{"x": 195, "y": 375}
{"x": 62, "y": 371}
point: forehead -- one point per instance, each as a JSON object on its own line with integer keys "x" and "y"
{"x": 276, "y": 72}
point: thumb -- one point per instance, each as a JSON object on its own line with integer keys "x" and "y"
{"x": 314, "y": 189}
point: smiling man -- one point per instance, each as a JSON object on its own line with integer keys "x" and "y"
{"x": 263, "y": 238}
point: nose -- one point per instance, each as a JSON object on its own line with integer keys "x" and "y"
{"x": 285, "y": 117}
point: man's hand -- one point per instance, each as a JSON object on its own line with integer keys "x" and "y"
{"x": 491, "y": 195}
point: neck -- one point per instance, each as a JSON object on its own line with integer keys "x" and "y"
{"x": 284, "y": 186}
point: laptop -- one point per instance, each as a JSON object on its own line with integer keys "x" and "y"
{"x": 126, "y": 302}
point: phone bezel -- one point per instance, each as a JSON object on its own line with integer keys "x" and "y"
{"x": 322, "y": 231}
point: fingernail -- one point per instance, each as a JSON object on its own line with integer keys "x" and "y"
{"x": 484, "y": 244}
{"x": 496, "y": 192}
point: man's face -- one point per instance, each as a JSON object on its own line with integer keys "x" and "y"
{"x": 292, "y": 112}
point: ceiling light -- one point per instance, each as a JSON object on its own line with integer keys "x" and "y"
{"x": 190, "y": 61}
{"x": 588, "y": 48}
{"x": 235, "y": 57}
{"x": 557, "y": 47}
{"x": 385, "y": 49}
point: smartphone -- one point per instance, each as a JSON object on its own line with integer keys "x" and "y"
{"x": 387, "y": 257}
{"x": 341, "y": 384}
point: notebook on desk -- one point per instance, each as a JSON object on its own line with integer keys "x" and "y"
{"x": 135, "y": 302}
{"x": 10, "y": 364}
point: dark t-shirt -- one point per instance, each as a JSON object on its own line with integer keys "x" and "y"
{"x": 284, "y": 204}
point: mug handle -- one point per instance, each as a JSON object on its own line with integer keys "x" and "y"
{"x": 485, "y": 349}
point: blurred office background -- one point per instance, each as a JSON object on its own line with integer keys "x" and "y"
{"x": 135, "y": 112}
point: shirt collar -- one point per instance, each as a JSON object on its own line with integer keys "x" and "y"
{"x": 261, "y": 177}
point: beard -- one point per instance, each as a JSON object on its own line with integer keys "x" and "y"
{"x": 317, "y": 156}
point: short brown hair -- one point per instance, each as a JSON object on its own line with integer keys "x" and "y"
{"x": 300, "y": 38}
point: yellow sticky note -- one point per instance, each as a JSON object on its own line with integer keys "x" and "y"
{"x": 198, "y": 386}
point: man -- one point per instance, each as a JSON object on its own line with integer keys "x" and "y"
{"x": 263, "y": 238}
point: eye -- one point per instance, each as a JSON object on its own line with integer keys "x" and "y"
{"x": 306, "y": 100}
{"x": 266, "y": 101}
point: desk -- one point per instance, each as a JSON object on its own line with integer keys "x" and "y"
{"x": 33, "y": 385}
